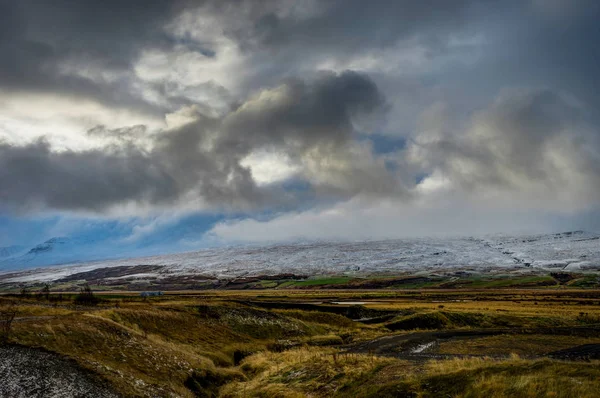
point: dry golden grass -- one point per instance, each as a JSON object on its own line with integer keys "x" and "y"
{"x": 517, "y": 378}
{"x": 327, "y": 373}
{"x": 514, "y": 307}
{"x": 440, "y": 367}
{"x": 153, "y": 349}
{"x": 30, "y": 310}
{"x": 181, "y": 345}
{"x": 136, "y": 365}
{"x": 303, "y": 372}
{"x": 559, "y": 303}
{"x": 525, "y": 345}
{"x": 141, "y": 350}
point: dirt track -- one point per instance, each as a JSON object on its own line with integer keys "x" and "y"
{"x": 417, "y": 346}
{"x": 582, "y": 352}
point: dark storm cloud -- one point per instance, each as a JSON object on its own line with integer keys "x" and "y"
{"x": 350, "y": 25}
{"x": 543, "y": 136}
{"x": 283, "y": 38}
{"x": 302, "y": 113}
{"x": 296, "y": 118}
{"x": 34, "y": 177}
{"x": 201, "y": 158}
{"x": 314, "y": 123}
{"x": 562, "y": 51}
{"x": 38, "y": 38}
{"x": 343, "y": 26}
{"x": 536, "y": 43}
{"x": 527, "y": 41}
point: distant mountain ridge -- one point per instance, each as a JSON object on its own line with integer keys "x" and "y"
{"x": 56, "y": 250}
{"x": 569, "y": 251}
{"x": 9, "y": 251}
{"x": 49, "y": 245}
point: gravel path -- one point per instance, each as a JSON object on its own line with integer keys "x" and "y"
{"x": 34, "y": 373}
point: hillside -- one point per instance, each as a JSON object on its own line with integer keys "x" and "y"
{"x": 530, "y": 255}
{"x": 500, "y": 343}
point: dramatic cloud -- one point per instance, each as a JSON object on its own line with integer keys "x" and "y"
{"x": 287, "y": 115}
{"x": 530, "y": 162}
{"x": 79, "y": 48}
{"x": 311, "y": 123}
{"x": 537, "y": 143}
{"x": 359, "y": 219}
{"x": 34, "y": 177}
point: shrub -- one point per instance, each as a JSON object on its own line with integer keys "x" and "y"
{"x": 44, "y": 293}
{"x": 7, "y": 316}
{"x": 325, "y": 340}
{"x": 86, "y": 296}
{"x": 207, "y": 382}
{"x": 434, "y": 320}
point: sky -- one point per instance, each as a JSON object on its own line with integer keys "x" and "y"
{"x": 166, "y": 125}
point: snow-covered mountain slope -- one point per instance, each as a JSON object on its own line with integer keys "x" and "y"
{"x": 572, "y": 251}
{"x": 569, "y": 251}
{"x": 10, "y": 251}
{"x": 51, "y": 245}
{"x": 57, "y": 250}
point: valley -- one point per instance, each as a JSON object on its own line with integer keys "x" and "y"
{"x": 512, "y": 342}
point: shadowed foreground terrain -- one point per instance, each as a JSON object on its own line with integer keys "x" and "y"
{"x": 510, "y": 342}
{"x": 28, "y": 373}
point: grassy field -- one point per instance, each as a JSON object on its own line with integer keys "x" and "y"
{"x": 494, "y": 342}
{"x": 101, "y": 280}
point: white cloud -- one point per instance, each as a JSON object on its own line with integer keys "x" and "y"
{"x": 532, "y": 148}
{"x": 359, "y": 219}
{"x": 62, "y": 120}
{"x": 268, "y": 167}
{"x": 409, "y": 57}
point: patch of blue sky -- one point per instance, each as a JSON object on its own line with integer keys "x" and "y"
{"x": 383, "y": 144}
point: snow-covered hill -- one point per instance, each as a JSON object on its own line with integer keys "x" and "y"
{"x": 54, "y": 251}
{"x": 10, "y": 251}
{"x": 571, "y": 251}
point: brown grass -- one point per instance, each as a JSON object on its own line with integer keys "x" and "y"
{"x": 303, "y": 371}
{"x": 327, "y": 373}
{"x": 518, "y": 378}
{"x": 192, "y": 344}
{"x": 525, "y": 345}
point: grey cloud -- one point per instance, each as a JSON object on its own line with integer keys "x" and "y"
{"x": 280, "y": 38}
{"x": 307, "y": 121}
{"x": 315, "y": 125}
{"x": 127, "y": 134}
{"x": 533, "y": 44}
{"x": 514, "y": 44}
{"x": 201, "y": 158}
{"x": 34, "y": 177}
{"x": 344, "y": 25}
{"x": 326, "y": 110}
{"x": 522, "y": 43}
{"x": 526, "y": 141}
{"x": 109, "y": 33}
{"x": 538, "y": 138}
{"x": 38, "y": 37}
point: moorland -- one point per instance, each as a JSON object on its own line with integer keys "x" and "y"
{"x": 504, "y": 340}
